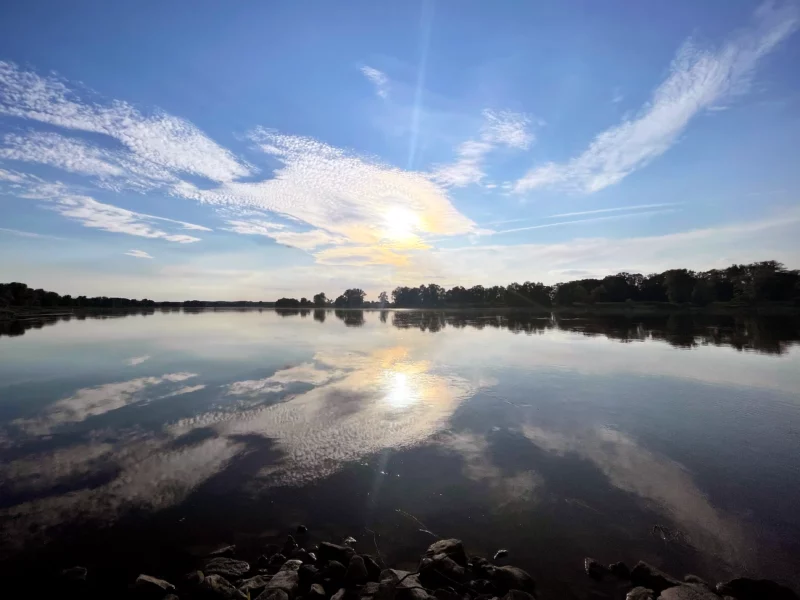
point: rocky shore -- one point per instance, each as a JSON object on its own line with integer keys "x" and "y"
{"x": 446, "y": 571}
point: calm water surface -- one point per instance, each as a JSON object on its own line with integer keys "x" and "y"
{"x": 143, "y": 435}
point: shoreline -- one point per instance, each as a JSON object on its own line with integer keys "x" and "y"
{"x": 330, "y": 571}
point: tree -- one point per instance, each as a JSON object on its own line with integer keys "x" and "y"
{"x": 320, "y": 299}
{"x": 679, "y": 284}
{"x": 703, "y": 293}
{"x": 355, "y": 297}
{"x": 383, "y": 299}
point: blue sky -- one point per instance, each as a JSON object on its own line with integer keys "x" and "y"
{"x": 259, "y": 149}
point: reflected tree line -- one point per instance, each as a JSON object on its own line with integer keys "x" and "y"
{"x": 768, "y": 334}
{"x": 759, "y": 282}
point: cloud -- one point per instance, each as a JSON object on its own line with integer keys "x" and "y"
{"x": 615, "y": 209}
{"x": 500, "y": 128}
{"x": 699, "y": 80}
{"x": 138, "y": 254}
{"x": 305, "y": 240}
{"x": 137, "y": 360}
{"x": 28, "y": 234}
{"x": 161, "y": 144}
{"x": 589, "y": 220}
{"x": 378, "y": 79}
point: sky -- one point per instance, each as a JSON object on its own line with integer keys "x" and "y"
{"x": 253, "y": 150}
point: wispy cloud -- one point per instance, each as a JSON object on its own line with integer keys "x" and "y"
{"x": 500, "y": 128}
{"x": 137, "y": 360}
{"x": 590, "y": 220}
{"x": 29, "y": 234}
{"x": 615, "y": 209}
{"x": 699, "y": 80}
{"x": 378, "y": 79}
{"x": 138, "y": 254}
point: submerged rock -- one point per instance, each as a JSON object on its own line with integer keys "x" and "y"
{"x": 147, "y": 586}
{"x": 594, "y": 569}
{"x": 316, "y": 592}
{"x": 518, "y": 595}
{"x": 301, "y": 529}
{"x": 453, "y": 548}
{"x": 356, "y": 573}
{"x": 440, "y": 571}
{"x": 646, "y": 575}
{"x": 620, "y": 569}
{"x": 744, "y": 588}
{"x": 502, "y": 553}
{"x": 688, "y": 592}
{"x": 273, "y": 595}
{"x": 328, "y": 551}
{"x": 226, "y": 551}
{"x": 373, "y": 568}
{"x": 227, "y": 567}
{"x": 194, "y": 578}
{"x": 254, "y": 585}
{"x": 640, "y": 593}
{"x": 513, "y": 578}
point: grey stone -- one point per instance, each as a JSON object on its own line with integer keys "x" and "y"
{"x": 513, "y": 578}
{"x": 744, "y": 588}
{"x": 518, "y": 595}
{"x": 171, "y": 597}
{"x": 317, "y": 592}
{"x": 648, "y": 576}
{"x": 594, "y": 569}
{"x": 502, "y": 553}
{"x": 301, "y": 529}
{"x": 446, "y": 593}
{"x": 291, "y": 565}
{"x": 453, "y": 548}
{"x": 226, "y": 551}
{"x": 620, "y": 569}
{"x": 194, "y": 579}
{"x": 289, "y": 547}
{"x": 328, "y": 551}
{"x": 688, "y": 592}
{"x": 253, "y": 585}
{"x": 307, "y": 573}
{"x": 356, "y": 573}
{"x": 695, "y": 579}
{"x": 152, "y": 587}
{"x": 275, "y": 594}
{"x": 640, "y": 593}
{"x": 287, "y": 581}
{"x": 227, "y": 567}
{"x": 217, "y": 587}
{"x": 373, "y": 568}
{"x": 370, "y": 589}
{"x": 339, "y": 595}
{"x": 303, "y": 555}
{"x": 440, "y": 571}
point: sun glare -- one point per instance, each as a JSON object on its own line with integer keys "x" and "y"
{"x": 400, "y": 223}
{"x": 400, "y": 391}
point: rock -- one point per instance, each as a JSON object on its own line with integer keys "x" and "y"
{"x": 640, "y": 593}
{"x": 335, "y": 571}
{"x": 328, "y": 551}
{"x": 317, "y": 592}
{"x": 688, "y": 592}
{"x": 502, "y": 553}
{"x": 216, "y": 586}
{"x": 289, "y": 546}
{"x": 594, "y": 569}
{"x": 226, "y": 551}
{"x": 646, "y": 575}
{"x": 349, "y": 540}
{"x": 291, "y": 565}
{"x": 253, "y": 586}
{"x": 356, "y": 573}
{"x": 518, "y": 595}
{"x": 273, "y": 595}
{"x": 370, "y": 590}
{"x": 276, "y": 560}
{"x": 452, "y": 548}
{"x": 170, "y": 597}
{"x": 744, "y": 588}
{"x": 446, "y": 593}
{"x": 227, "y": 567}
{"x": 695, "y": 579}
{"x": 303, "y": 555}
{"x": 483, "y": 586}
{"x": 301, "y": 529}
{"x": 287, "y": 580}
{"x": 619, "y": 569}
{"x": 75, "y": 573}
{"x": 373, "y": 568}
{"x": 194, "y": 579}
{"x": 152, "y": 587}
{"x": 339, "y": 595}
{"x": 307, "y": 574}
{"x": 481, "y": 567}
{"x": 440, "y": 571}
{"x": 513, "y": 578}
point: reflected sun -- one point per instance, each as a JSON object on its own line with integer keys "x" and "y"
{"x": 400, "y": 389}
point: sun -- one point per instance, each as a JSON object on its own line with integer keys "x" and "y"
{"x": 400, "y": 223}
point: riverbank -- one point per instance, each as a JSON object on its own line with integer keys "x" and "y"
{"x": 329, "y": 571}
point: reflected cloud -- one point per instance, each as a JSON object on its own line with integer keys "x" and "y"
{"x": 94, "y": 401}
{"x": 137, "y": 360}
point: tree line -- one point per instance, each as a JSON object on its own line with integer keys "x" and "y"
{"x": 759, "y": 282}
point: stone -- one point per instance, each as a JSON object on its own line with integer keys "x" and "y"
{"x": 594, "y": 569}
{"x": 744, "y": 588}
{"x": 286, "y": 580}
{"x": 373, "y": 568}
{"x": 481, "y": 567}
{"x": 227, "y": 567}
{"x": 291, "y": 565}
{"x": 327, "y": 551}
{"x": 349, "y": 540}
{"x": 646, "y": 575}
{"x": 289, "y": 546}
{"x": 446, "y": 593}
{"x": 502, "y": 553}
{"x": 276, "y": 560}
{"x": 194, "y": 578}
{"x": 75, "y": 573}
{"x": 253, "y": 585}
{"x": 316, "y": 592}
{"x": 356, "y": 573}
{"x": 619, "y": 569}
{"x": 640, "y": 593}
{"x": 275, "y": 594}
{"x": 217, "y": 587}
{"x": 301, "y": 529}
{"x": 147, "y": 586}
{"x": 513, "y": 578}
{"x": 170, "y": 597}
{"x": 688, "y": 592}
{"x": 440, "y": 571}
{"x": 453, "y": 548}
{"x": 483, "y": 586}
{"x": 335, "y": 571}
{"x": 303, "y": 555}
{"x": 307, "y": 574}
{"x": 226, "y": 551}
{"x": 370, "y": 590}
{"x": 695, "y": 579}
{"x": 339, "y": 595}
{"x": 518, "y": 595}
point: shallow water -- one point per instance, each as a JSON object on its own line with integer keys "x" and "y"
{"x": 670, "y": 439}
